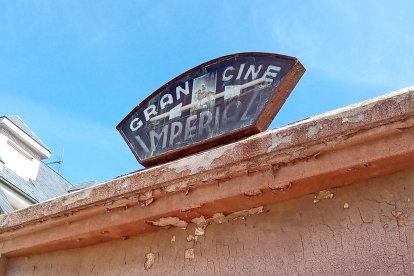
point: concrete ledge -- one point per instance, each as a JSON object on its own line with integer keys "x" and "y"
{"x": 330, "y": 150}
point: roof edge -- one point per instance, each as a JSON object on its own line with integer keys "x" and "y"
{"x": 41, "y": 149}
{"x": 329, "y": 151}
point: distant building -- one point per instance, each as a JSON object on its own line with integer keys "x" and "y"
{"x": 24, "y": 179}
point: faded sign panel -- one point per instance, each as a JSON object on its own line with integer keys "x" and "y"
{"x": 204, "y": 89}
{"x": 222, "y": 100}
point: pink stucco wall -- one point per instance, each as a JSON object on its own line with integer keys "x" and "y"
{"x": 362, "y": 229}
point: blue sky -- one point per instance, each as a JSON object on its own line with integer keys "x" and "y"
{"x": 73, "y": 69}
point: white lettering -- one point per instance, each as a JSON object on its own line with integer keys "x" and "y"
{"x": 188, "y": 128}
{"x": 228, "y": 77}
{"x": 135, "y": 127}
{"x": 176, "y": 129}
{"x": 252, "y": 72}
{"x": 156, "y": 135}
{"x": 240, "y": 71}
{"x": 270, "y": 73}
{"x": 142, "y": 144}
{"x": 217, "y": 118}
{"x": 166, "y": 100}
{"x": 150, "y": 110}
{"x": 179, "y": 90}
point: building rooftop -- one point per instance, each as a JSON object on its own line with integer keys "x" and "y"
{"x": 20, "y": 124}
{"x": 48, "y": 184}
{"x": 5, "y": 206}
{"x": 24, "y": 178}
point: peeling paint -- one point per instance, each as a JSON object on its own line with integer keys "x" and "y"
{"x": 191, "y": 238}
{"x": 77, "y": 196}
{"x": 176, "y": 187}
{"x": 189, "y": 253}
{"x": 149, "y": 260}
{"x": 353, "y": 119}
{"x": 313, "y": 130}
{"x": 280, "y": 186}
{"x": 126, "y": 183}
{"x": 146, "y": 198}
{"x": 172, "y": 239}
{"x": 199, "y": 231}
{"x": 169, "y": 221}
{"x": 146, "y": 202}
{"x": 277, "y": 140}
{"x": 325, "y": 194}
{"x": 80, "y": 200}
{"x": 219, "y": 218}
{"x": 245, "y": 213}
{"x": 199, "y": 221}
{"x": 253, "y": 193}
{"x": 190, "y": 208}
{"x": 199, "y": 162}
{"x": 109, "y": 202}
{"x": 346, "y": 205}
{"x": 400, "y": 217}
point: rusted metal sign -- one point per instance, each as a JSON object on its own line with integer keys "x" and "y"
{"x": 219, "y": 101}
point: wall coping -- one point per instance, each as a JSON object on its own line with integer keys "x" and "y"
{"x": 325, "y": 151}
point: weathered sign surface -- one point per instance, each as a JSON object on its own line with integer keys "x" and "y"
{"x": 219, "y": 101}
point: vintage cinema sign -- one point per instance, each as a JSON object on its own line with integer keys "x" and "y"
{"x": 219, "y": 101}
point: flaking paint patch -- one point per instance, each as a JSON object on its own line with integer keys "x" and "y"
{"x": 312, "y": 131}
{"x": 176, "y": 187}
{"x": 191, "y": 238}
{"x": 77, "y": 196}
{"x": 325, "y": 194}
{"x": 189, "y": 253}
{"x": 190, "y": 208}
{"x": 199, "y": 221}
{"x": 220, "y": 218}
{"x": 280, "y": 186}
{"x": 149, "y": 260}
{"x": 400, "y": 217}
{"x": 146, "y": 198}
{"x": 255, "y": 192}
{"x": 126, "y": 183}
{"x": 245, "y": 213}
{"x": 353, "y": 119}
{"x": 199, "y": 231}
{"x": 199, "y": 162}
{"x": 277, "y": 140}
{"x": 169, "y": 221}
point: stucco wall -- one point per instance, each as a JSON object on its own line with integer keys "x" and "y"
{"x": 361, "y": 229}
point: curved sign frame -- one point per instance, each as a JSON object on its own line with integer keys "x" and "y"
{"x": 217, "y": 102}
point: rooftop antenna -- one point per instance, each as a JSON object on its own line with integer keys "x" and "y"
{"x": 59, "y": 161}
